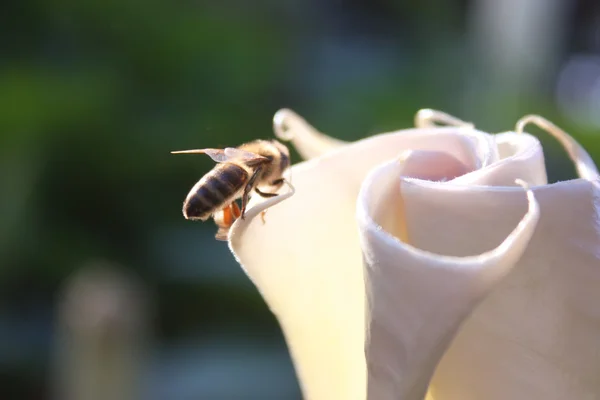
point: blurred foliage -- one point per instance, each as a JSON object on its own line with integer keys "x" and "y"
{"x": 95, "y": 94}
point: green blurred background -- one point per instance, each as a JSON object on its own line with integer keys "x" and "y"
{"x": 95, "y": 256}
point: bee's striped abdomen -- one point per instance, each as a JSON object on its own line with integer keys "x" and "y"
{"x": 214, "y": 191}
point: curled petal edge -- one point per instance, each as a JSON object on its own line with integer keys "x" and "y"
{"x": 239, "y": 226}
{"x": 586, "y": 168}
{"x": 522, "y": 231}
{"x": 308, "y": 141}
{"x": 428, "y": 118}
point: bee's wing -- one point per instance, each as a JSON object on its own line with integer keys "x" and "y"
{"x": 229, "y": 154}
{"x": 218, "y": 155}
{"x": 249, "y": 158}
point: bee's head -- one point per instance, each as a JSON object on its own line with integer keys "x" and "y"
{"x": 284, "y": 155}
{"x": 278, "y": 156}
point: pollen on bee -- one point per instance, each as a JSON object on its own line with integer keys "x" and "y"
{"x": 225, "y": 218}
{"x": 235, "y": 210}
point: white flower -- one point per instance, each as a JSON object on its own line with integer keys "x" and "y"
{"x": 411, "y": 263}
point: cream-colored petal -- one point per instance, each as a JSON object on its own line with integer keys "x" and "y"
{"x": 306, "y": 258}
{"x": 536, "y": 335}
{"x": 519, "y": 156}
{"x": 308, "y": 141}
{"x": 417, "y": 299}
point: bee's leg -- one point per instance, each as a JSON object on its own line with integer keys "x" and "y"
{"x": 262, "y": 216}
{"x": 277, "y": 183}
{"x": 235, "y": 210}
{"x": 263, "y": 194}
{"x": 245, "y": 197}
{"x": 248, "y": 189}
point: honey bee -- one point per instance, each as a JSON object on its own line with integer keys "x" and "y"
{"x": 239, "y": 172}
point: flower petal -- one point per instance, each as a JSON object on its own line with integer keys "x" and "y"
{"x": 309, "y": 142}
{"x": 417, "y": 299}
{"x": 536, "y": 335}
{"x": 519, "y": 156}
{"x": 306, "y": 258}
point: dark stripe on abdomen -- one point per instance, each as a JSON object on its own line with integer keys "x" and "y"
{"x": 201, "y": 203}
{"x": 229, "y": 179}
{"x": 223, "y": 182}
